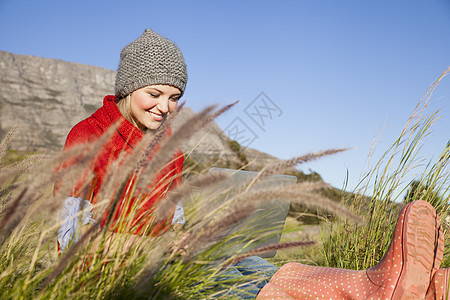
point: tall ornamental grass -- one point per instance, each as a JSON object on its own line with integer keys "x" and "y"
{"x": 178, "y": 263}
{"x": 353, "y": 246}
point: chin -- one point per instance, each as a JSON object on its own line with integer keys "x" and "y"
{"x": 153, "y": 126}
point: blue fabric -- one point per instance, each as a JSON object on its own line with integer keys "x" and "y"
{"x": 70, "y": 230}
{"x": 178, "y": 216}
{"x": 252, "y": 272}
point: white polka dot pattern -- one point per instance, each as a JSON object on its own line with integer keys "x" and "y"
{"x": 439, "y": 287}
{"x": 405, "y": 271}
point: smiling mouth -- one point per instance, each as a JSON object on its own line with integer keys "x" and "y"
{"x": 156, "y": 116}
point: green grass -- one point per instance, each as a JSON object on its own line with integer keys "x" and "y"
{"x": 352, "y": 246}
{"x": 105, "y": 265}
{"x": 296, "y": 231}
{"x": 14, "y": 156}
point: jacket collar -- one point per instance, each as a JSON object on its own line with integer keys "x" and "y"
{"x": 129, "y": 133}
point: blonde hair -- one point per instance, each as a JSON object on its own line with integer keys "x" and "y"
{"x": 124, "y": 106}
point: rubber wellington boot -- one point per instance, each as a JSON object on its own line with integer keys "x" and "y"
{"x": 405, "y": 271}
{"x": 439, "y": 287}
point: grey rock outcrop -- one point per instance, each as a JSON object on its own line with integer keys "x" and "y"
{"x": 46, "y": 97}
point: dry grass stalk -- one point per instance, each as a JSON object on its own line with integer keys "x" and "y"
{"x": 166, "y": 205}
{"x": 74, "y": 163}
{"x": 210, "y": 232}
{"x": 153, "y": 262}
{"x": 188, "y": 129}
{"x": 311, "y": 186}
{"x": 8, "y": 216}
{"x": 298, "y": 194}
{"x": 268, "y": 248}
{"x": 8, "y": 190}
{"x": 7, "y": 140}
{"x": 38, "y": 182}
{"x": 157, "y": 138}
{"x": 280, "y": 167}
{"x": 220, "y": 111}
{"x": 71, "y": 253}
{"x": 243, "y": 204}
{"x": 113, "y": 180}
{"x": 126, "y": 163}
{"x": 23, "y": 166}
{"x": 10, "y": 175}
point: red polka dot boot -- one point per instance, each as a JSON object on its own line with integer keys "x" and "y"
{"x": 439, "y": 287}
{"x": 404, "y": 272}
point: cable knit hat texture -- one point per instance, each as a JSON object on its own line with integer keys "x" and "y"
{"x": 150, "y": 59}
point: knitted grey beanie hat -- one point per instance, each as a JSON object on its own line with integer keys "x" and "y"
{"x": 151, "y": 59}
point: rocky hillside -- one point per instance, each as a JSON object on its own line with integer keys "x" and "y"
{"x": 46, "y": 97}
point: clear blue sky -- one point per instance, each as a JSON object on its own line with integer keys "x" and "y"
{"x": 340, "y": 72}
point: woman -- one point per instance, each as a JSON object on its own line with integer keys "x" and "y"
{"x": 147, "y": 90}
{"x": 151, "y": 78}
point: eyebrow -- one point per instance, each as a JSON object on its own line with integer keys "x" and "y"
{"x": 153, "y": 88}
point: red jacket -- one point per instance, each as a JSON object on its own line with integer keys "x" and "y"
{"x": 125, "y": 138}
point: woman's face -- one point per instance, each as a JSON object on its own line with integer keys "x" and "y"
{"x": 151, "y": 104}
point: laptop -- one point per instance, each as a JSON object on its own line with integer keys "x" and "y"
{"x": 264, "y": 226}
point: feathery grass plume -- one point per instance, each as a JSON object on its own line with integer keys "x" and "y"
{"x": 14, "y": 174}
{"x": 297, "y": 193}
{"x": 45, "y": 174}
{"x": 7, "y": 140}
{"x": 22, "y": 166}
{"x": 133, "y": 175}
{"x": 188, "y": 129}
{"x": 70, "y": 253}
{"x": 310, "y": 186}
{"x": 9, "y": 215}
{"x": 7, "y": 191}
{"x": 113, "y": 181}
{"x": 154, "y": 262}
{"x": 363, "y": 246}
{"x": 112, "y": 208}
{"x": 76, "y": 161}
{"x": 241, "y": 197}
{"x": 269, "y": 248}
{"x": 207, "y": 233}
{"x": 38, "y": 182}
{"x": 220, "y": 111}
{"x": 166, "y": 205}
{"x": 33, "y": 193}
{"x": 163, "y": 156}
{"x": 280, "y": 167}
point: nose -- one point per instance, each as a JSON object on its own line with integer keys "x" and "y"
{"x": 163, "y": 105}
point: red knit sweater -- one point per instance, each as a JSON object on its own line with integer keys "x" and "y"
{"x": 125, "y": 138}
